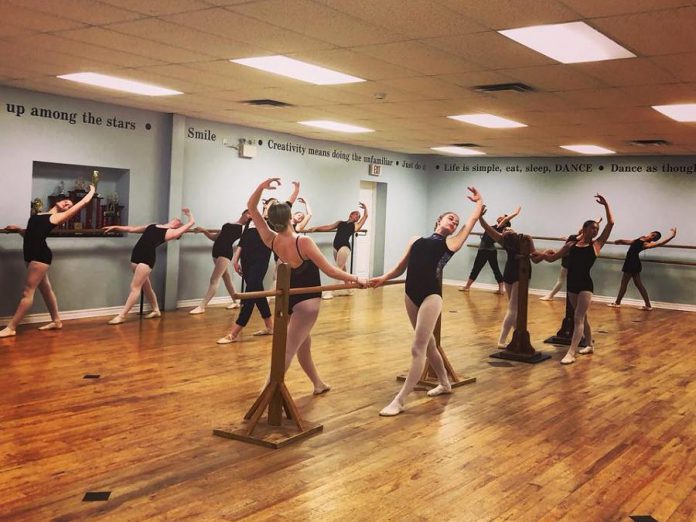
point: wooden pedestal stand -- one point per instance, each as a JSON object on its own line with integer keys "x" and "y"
{"x": 520, "y": 348}
{"x": 275, "y": 432}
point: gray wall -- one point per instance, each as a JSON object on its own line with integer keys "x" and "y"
{"x": 87, "y": 272}
{"x": 556, "y": 203}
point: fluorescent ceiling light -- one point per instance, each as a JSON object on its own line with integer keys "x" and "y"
{"x": 119, "y": 84}
{"x": 459, "y": 151}
{"x": 678, "y": 112}
{"x": 588, "y": 149}
{"x": 488, "y": 120}
{"x": 335, "y": 126}
{"x": 298, "y": 70}
{"x": 573, "y": 42}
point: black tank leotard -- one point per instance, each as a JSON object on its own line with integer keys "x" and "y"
{"x": 144, "y": 250}
{"x": 254, "y": 251}
{"x": 632, "y": 264}
{"x": 580, "y": 261}
{"x": 564, "y": 259}
{"x": 305, "y": 275}
{"x": 229, "y": 233}
{"x": 511, "y": 272}
{"x": 35, "y": 247}
{"x": 426, "y": 259}
{"x": 344, "y": 231}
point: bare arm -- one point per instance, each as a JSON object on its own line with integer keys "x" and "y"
{"x": 308, "y": 215}
{"x": 125, "y": 228}
{"x": 492, "y": 233}
{"x": 607, "y": 228}
{"x": 399, "y": 269}
{"x": 207, "y": 233}
{"x": 311, "y": 250}
{"x": 295, "y": 192}
{"x": 456, "y": 241}
{"x": 16, "y": 228}
{"x": 363, "y": 218}
{"x": 655, "y": 244}
{"x": 266, "y": 233}
{"x": 623, "y": 242}
{"x": 176, "y": 233}
{"x": 552, "y": 256}
{"x": 324, "y": 228}
{"x": 235, "y": 260}
{"x": 62, "y": 217}
{"x": 510, "y": 217}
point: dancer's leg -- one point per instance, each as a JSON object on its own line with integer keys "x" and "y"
{"x": 581, "y": 304}
{"x": 511, "y": 314}
{"x": 493, "y": 261}
{"x": 299, "y": 341}
{"x": 151, "y": 298}
{"x": 643, "y": 291}
{"x": 229, "y": 285}
{"x": 141, "y": 272}
{"x": 219, "y": 270}
{"x": 342, "y": 257}
{"x": 35, "y": 273}
{"x": 625, "y": 278}
{"x": 49, "y": 298}
{"x": 556, "y": 287}
{"x": 479, "y": 263}
{"x": 425, "y": 320}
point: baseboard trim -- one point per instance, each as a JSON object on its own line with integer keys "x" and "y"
{"x": 75, "y": 314}
{"x": 628, "y": 303}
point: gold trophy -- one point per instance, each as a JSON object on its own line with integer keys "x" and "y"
{"x": 95, "y": 181}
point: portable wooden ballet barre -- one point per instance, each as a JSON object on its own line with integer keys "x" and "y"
{"x": 275, "y": 397}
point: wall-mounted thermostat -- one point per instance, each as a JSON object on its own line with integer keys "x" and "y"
{"x": 375, "y": 170}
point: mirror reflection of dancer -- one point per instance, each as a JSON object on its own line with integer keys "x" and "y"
{"x": 300, "y": 219}
{"x": 632, "y": 265}
{"x": 143, "y": 259}
{"x": 581, "y": 256}
{"x": 341, "y": 243}
{"x": 510, "y": 241}
{"x": 38, "y": 257}
{"x": 305, "y": 260}
{"x": 425, "y": 258}
{"x": 487, "y": 253}
{"x": 223, "y": 249}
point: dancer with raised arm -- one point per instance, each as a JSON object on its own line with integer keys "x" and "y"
{"x": 341, "y": 243}
{"x": 632, "y": 266}
{"x": 509, "y": 240}
{"x": 581, "y": 256}
{"x": 305, "y": 260}
{"x": 300, "y": 219}
{"x": 38, "y": 257}
{"x": 143, "y": 259}
{"x": 425, "y": 258}
{"x": 223, "y": 252}
{"x": 487, "y": 253}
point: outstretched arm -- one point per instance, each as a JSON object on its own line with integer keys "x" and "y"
{"x": 623, "y": 241}
{"x": 455, "y": 242}
{"x": 509, "y": 217}
{"x": 607, "y": 228}
{"x": 551, "y": 255}
{"x": 655, "y": 244}
{"x": 207, "y": 233}
{"x": 324, "y": 228}
{"x": 295, "y": 192}
{"x": 308, "y": 215}
{"x": 16, "y": 228}
{"x": 62, "y": 217}
{"x": 125, "y": 228}
{"x": 266, "y": 233}
{"x": 399, "y": 269}
{"x": 311, "y": 250}
{"x": 362, "y": 220}
{"x": 176, "y": 233}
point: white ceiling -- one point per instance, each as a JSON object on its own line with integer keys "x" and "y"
{"x": 424, "y": 55}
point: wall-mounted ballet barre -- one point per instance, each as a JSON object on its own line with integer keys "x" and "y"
{"x": 563, "y": 239}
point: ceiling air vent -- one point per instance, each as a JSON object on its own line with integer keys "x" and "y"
{"x": 267, "y": 103}
{"x": 649, "y": 143}
{"x": 504, "y": 87}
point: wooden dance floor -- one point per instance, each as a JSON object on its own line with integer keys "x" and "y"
{"x": 609, "y": 437}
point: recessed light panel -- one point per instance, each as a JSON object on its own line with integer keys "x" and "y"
{"x": 459, "y": 151}
{"x": 682, "y": 112}
{"x": 119, "y": 84}
{"x": 588, "y": 149}
{"x": 574, "y": 42}
{"x": 335, "y": 126}
{"x": 298, "y": 70}
{"x": 488, "y": 120}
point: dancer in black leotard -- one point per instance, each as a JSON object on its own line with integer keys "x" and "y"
{"x": 38, "y": 257}
{"x": 581, "y": 256}
{"x": 341, "y": 243}
{"x": 425, "y": 258}
{"x": 510, "y": 241}
{"x": 222, "y": 256}
{"x": 632, "y": 266}
{"x": 305, "y": 261}
{"x": 487, "y": 253}
{"x": 143, "y": 259}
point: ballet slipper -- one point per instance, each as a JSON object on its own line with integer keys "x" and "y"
{"x": 228, "y": 339}
{"x": 587, "y": 349}
{"x": 232, "y": 306}
{"x": 265, "y": 331}
{"x": 502, "y": 346}
{"x": 569, "y": 358}
{"x": 393, "y": 409}
{"x": 646, "y": 308}
{"x": 197, "y": 310}
{"x": 546, "y": 298}
{"x": 53, "y": 325}
{"x": 154, "y": 314}
{"x": 440, "y": 389}
{"x": 117, "y": 320}
{"x": 614, "y": 305}
{"x": 7, "y": 332}
{"x": 463, "y": 289}
{"x": 327, "y": 295}
{"x": 319, "y": 390}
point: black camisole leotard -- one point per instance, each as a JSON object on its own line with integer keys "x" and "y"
{"x": 229, "y": 233}
{"x": 144, "y": 250}
{"x": 344, "y": 231}
{"x": 305, "y": 275}
{"x": 580, "y": 261}
{"x": 511, "y": 272}
{"x": 426, "y": 259}
{"x": 632, "y": 264}
{"x": 35, "y": 247}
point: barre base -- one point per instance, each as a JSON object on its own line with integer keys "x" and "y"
{"x": 273, "y": 437}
